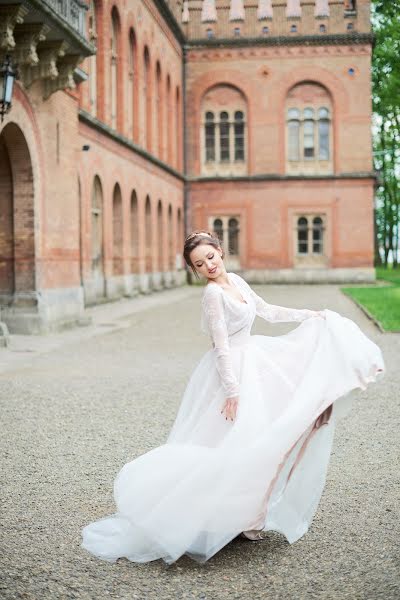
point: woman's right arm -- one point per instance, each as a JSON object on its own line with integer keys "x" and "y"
{"x": 215, "y": 318}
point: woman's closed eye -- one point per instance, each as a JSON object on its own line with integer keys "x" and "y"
{"x": 209, "y": 257}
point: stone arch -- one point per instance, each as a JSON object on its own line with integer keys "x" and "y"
{"x": 233, "y": 79}
{"x": 17, "y": 215}
{"x": 97, "y": 237}
{"x": 160, "y": 236}
{"x": 134, "y": 232}
{"x": 148, "y": 230}
{"x": 170, "y": 231}
{"x": 118, "y": 246}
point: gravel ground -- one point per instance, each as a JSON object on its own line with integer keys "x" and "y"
{"x": 72, "y": 416}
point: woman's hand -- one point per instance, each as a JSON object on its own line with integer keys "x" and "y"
{"x": 230, "y": 407}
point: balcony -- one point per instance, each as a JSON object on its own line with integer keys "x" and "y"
{"x": 46, "y": 40}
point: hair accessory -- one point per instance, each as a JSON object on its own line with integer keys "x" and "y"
{"x": 196, "y": 233}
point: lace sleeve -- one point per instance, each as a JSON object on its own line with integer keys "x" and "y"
{"x": 214, "y": 318}
{"x": 274, "y": 313}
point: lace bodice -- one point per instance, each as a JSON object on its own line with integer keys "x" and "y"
{"x": 223, "y": 317}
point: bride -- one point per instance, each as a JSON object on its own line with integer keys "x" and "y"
{"x": 250, "y": 446}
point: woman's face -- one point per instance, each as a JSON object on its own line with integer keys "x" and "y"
{"x": 207, "y": 261}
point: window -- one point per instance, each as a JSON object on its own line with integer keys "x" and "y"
{"x": 310, "y": 235}
{"x": 317, "y": 230}
{"x": 308, "y": 133}
{"x": 302, "y": 236}
{"x": 210, "y": 136}
{"x": 239, "y": 135}
{"x": 131, "y": 112}
{"x": 313, "y": 129}
{"x": 236, "y": 32}
{"x": 323, "y": 134}
{"x": 114, "y": 66}
{"x": 230, "y": 144}
{"x": 265, "y": 30}
{"x": 293, "y": 29}
{"x": 210, "y": 33}
{"x": 233, "y": 236}
{"x": 293, "y": 134}
{"x": 223, "y": 133}
{"x": 322, "y": 28}
{"x": 350, "y": 26}
{"x": 219, "y": 230}
{"x": 224, "y": 127}
{"x": 227, "y": 230}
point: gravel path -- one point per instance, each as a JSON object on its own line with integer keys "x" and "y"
{"x": 74, "y": 414}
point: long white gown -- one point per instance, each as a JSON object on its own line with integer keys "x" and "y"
{"x": 266, "y": 470}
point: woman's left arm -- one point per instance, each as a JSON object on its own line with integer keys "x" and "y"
{"x": 274, "y": 313}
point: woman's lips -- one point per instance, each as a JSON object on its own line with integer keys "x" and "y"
{"x": 213, "y": 271}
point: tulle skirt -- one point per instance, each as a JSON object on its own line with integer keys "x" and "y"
{"x": 214, "y": 478}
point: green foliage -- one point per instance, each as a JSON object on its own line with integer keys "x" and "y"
{"x": 381, "y": 301}
{"x": 386, "y": 106}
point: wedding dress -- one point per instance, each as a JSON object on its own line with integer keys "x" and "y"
{"x": 215, "y": 478}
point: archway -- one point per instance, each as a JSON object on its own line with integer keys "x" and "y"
{"x": 17, "y": 231}
{"x": 97, "y": 245}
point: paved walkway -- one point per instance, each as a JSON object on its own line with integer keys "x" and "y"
{"x": 76, "y": 406}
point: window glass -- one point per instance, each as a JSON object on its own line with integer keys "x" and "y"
{"x": 308, "y": 132}
{"x": 302, "y": 235}
{"x": 224, "y": 137}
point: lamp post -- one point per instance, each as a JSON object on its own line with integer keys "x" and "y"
{"x": 7, "y": 78}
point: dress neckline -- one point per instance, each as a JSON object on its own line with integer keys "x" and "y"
{"x": 231, "y": 279}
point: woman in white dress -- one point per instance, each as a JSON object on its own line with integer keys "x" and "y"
{"x": 250, "y": 446}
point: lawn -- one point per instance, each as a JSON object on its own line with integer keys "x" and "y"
{"x": 382, "y": 302}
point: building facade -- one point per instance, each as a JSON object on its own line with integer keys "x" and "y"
{"x": 136, "y": 121}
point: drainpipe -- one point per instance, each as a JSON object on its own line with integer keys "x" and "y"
{"x": 185, "y": 169}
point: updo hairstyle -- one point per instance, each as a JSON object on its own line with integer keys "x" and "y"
{"x": 196, "y": 238}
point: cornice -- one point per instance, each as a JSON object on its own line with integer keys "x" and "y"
{"x": 277, "y": 177}
{"x": 284, "y": 40}
{"x": 88, "y": 119}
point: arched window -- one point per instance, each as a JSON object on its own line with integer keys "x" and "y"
{"x": 323, "y": 134}
{"x": 169, "y": 121}
{"x": 308, "y": 133}
{"x": 114, "y": 67}
{"x": 224, "y": 126}
{"x": 148, "y": 236}
{"x": 92, "y": 60}
{"x": 159, "y": 120}
{"x": 177, "y": 126}
{"x": 309, "y": 129}
{"x": 134, "y": 227}
{"x": 219, "y": 229}
{"x": 117, "y": 232}
{"x": 233, "y": 232}
{"x": 317, "y": 233}
{"x": 302, "y": 235}
{"x": 223, "y": 135}
{"x": 160, "y": 236}
{"x": 239, "y": 135}
{"x": 147, "y": 98}
{"x": 132, "y": 100}
{"x": 210, "y": 136}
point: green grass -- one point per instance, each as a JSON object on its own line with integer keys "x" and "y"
{"x": 392, "y": 275}
{"x": 382, "y": 302}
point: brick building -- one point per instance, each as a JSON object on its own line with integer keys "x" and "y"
{"x": 134, "y": 121}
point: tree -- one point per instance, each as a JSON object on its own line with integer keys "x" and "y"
{"x": 386, "y": 107}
